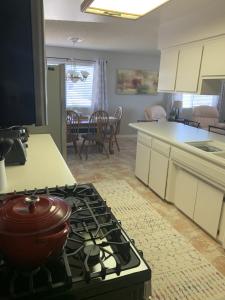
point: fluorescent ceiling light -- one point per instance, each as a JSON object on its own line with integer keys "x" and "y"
{"x": 129, "y": 9}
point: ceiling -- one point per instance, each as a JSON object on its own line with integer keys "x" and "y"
{"x": 64, "y": 20}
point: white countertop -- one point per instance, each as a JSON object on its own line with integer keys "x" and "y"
{"x": 177, "y": 134}
{"x": 45, "y": 166}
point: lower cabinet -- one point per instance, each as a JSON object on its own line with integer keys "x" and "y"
{"x": 208, "y": 207}
{"x": 199, "y": 200}
{"x": 142, "y": 162}
{"x": 185, "y": 192}
{"x": 158, "y": 173}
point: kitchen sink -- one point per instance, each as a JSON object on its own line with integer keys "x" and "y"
{"x": 208, "y": 146}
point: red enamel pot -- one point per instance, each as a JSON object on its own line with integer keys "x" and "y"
{"x": 33, "y": 229}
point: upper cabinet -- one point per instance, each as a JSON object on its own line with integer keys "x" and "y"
{"x": 168, "y": 69}
{"x": 191, "y": 67}
{"x": 188, "y": 70}
{"x": 213, "y": 61}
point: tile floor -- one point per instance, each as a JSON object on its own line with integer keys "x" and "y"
{"x": 121, "y": 166}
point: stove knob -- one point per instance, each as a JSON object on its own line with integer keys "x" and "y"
{"x": 119, "y": 222}
{"x": 132, "y": 241}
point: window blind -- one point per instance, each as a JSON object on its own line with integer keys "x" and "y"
{"x": 79, "y": 94}
{"x": 192, "y": 100}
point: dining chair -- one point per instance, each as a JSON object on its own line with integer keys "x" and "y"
{"x": 96, "y": 133}
{"x": 72, "y": 128}
{"x": 116, "y": 128}
{"x": 191, "y": 123}
{"x": 217, "y": 129}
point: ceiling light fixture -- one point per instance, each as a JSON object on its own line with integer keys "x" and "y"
{"x": 128, "y": 9}
{"x": 72, "y": 74}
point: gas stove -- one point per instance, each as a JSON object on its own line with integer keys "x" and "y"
{"x": 98, "y": 261}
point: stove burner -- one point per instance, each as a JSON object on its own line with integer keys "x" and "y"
{"x": 92, "y": 252}
{"x": 70, "y": 200}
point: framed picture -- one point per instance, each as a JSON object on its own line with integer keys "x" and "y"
{"x": 136, "y": 82}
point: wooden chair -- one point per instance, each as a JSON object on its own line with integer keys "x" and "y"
{"x": 72, "y": 128}
{"x": 116, "y": 129}
{"x": 217, "y": 129}
{"x": 191, "y": 123}
{"x": 98, "y": 124}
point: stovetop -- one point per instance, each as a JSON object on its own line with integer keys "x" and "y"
{"x": 97, "y": 251}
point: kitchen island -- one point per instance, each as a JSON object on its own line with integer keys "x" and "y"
{"x": 44, "y": 167}
{"x": 185, "y": 166}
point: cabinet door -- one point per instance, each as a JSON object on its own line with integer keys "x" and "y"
{"x": 189, "y": 68}
{"x": 208, "y": 207}
{"x": 185, "y": 192}
{"x": 168, "y": 69}
{"x": 142, "y": 162}
{"x": 158, "y": 173}
{"x": 213, "y": 62}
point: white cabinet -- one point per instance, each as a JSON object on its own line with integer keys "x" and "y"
{"x": 143, "y": 157}
{"x": 183, "y": 67}
{"x": 158, "y": 173}
{"x": 188, "y": 70}
{"x": 185, "y": 192}
{"x": 199, "y": 200}
{"x": 180, "y": 68}
{"x": 208, "y": 207}
{"x": 213, "y": 62}
{"x": 168, "y": 69}
{"x": 158, "y": 170}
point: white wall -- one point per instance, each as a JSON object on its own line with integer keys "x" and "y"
{"x": 134, "y": 105}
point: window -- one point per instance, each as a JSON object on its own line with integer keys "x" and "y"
{"x": 79, "y": 94}
{"x": 190, "y": 100}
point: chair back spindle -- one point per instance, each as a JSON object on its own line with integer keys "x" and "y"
{"x": 72, "y": 124}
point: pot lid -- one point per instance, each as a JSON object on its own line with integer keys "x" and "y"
{"x": 26, "y": 215}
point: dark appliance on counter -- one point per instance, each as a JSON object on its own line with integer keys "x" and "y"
{"x": 18, "y": 153}
{"x": 22, "y": 72}
{"x": 98, "y": 261}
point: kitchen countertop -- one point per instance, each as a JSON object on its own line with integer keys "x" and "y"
{"x": 177, "y": 134}
{"x": 45, "y": 166}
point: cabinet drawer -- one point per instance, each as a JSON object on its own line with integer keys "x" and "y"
{"x": 200, "y": 167}
{"x": 161, "y": 147}
{"x": 144, "y": 139}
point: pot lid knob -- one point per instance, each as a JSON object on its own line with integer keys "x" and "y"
{"x": 31, "y": 200}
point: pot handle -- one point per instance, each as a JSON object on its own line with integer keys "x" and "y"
{"x": 64, "y": 231}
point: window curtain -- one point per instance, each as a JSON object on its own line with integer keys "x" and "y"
{"x": 221, "y": 104}
{"x": 100, "y": 97}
